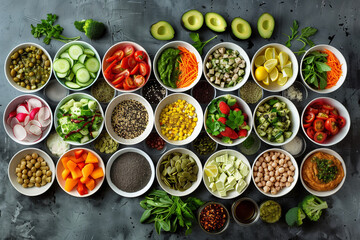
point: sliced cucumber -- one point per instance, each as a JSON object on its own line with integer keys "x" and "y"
{"x": 67, "y": 56}
{"x": 93, "y": 75}
{"x": 72, "y": 85}
{"x": 82, "y": 75}
{"x": 89, "y": 52}
{"x": 61, "y": 65}
{"x": 76, "y": 67}
{"x": 92, "y": 64}
{"x": 70, "y": 77}
{"x": 75, "y": 51}
{"x": 62, "y": 75}
{"x": 84, "y": 84}
{"x": 84, "y": 139}
{"x": 82, "y": 58}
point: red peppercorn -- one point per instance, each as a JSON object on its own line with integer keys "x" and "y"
{"x": 213, "y": 217}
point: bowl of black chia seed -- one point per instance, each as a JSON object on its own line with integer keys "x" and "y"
{"x": 153, "y": 92}
{"x": 129, "y": 118}
{"x": 130, "y": 172}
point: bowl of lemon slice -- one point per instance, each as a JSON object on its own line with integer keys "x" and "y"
{"x": 274, "y": 67}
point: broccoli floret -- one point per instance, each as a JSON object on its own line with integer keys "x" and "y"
{"x": 80, "y": 25}
{"x": 295, "y": 216}
{"x": 92, "y": 29}
{"x": 313, "y": 207}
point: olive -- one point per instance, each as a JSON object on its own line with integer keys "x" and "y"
{"x": 40, "y": 159}
{"x": 43, "y": 183}
{"x": 31, "y": 64}
{"x": 21, "y": 65}
{"x": 32, "y": 179}
{"x": 47, "y": 63}
{"x": 21, "y": 51}
{"x": 32, "y": 82}
{"x": 13, "y": 73}
{"x": 43, "y": 164}
{"x": 48, "y": 179}
{"x": 29, "y": 165}
{"x": 37, "y": 165}
{"x": 33, "y": 169}
{"x": 42, "y": 82}
{"x": 35, "y": 156}
{"x": 28, "y": 87}
{"x": 24, "y": 171}
{"x": 44, "y": 172}
{"x": 37, "y": 185}
{"x": 19, "y": 174}
{"x": 28, "y": 157}
{"x": 30, "y": 173}
{"x": 31, "y": 184}
{"x": 38, "y": 179}
{"x": 22, "y": 167}
{"x": 17, "y": 170}
{"x": 22, "y": 84}
{"x": 20, "y": 180}
{"x": 48, "y": 173}
{"x": 26, "y": 180}
{"x": 33, "y": 161}
{"x": 24, "y": 185}
{"x": 40, "y": 52}
{"x": 14, "y": 62}
{"x": 38, "y": 57}
{"x": 38, "y": 173}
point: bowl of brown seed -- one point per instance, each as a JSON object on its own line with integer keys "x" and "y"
{"x": 129, "y": 118}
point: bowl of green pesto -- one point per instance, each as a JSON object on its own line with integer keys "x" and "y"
{"x": 177, "y": 66}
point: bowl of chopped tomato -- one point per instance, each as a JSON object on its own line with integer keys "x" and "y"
{"x": 126, "y": 66}
{"x": 325, "y": 121}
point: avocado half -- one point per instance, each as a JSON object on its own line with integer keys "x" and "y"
{"x": 266, "y": 25}
{"x": 215, "y": 22}
{"x": 162, "y": 30}
{"x": 192, "y": 20}
{"x": 240, "y": 28}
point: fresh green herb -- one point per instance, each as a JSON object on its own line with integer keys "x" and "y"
{"x": 303, "y": 37}
{"x": 272, "y": 101}
{"x": 249, "y": 142}
{"x": 214, "y": 127}
{"x": 92, "y": 29}
{"x": 198, "y": 44}
{"x": 235, "y": 119}
{"x": 169, "y": 212}
{"x": 50, "y": 31}
{"x": 294, "y": 32}
{"x": 315, "y": 69}
{"x": 327, "y": 171}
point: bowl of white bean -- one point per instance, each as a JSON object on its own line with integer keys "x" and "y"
{"x": 275, "y": 172}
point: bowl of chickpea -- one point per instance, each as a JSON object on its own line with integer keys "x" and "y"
{"x": 275, "y": 172}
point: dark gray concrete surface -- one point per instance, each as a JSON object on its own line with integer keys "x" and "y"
{"x": 105, "y": 215}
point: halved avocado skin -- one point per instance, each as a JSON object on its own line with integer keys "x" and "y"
{"x": 170, "y": 31}
{"x": 223, "y": 24}
{"x": 266, "y": 33}
{"x": 189, "y": 27}
{"x": 235, "y": 34}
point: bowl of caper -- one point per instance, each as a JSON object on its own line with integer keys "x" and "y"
{"x": 31, "y": 171}
{"x": 28, "y": 67}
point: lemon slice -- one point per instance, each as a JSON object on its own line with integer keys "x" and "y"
{"x": 259, "y": 60}
{"x": 266, "y": 81}
{"x": 211, "y": 171}
{"x": 274, "y": 74}
{"x": 283, "y": 58}
{"x": 287, "y": 65}
{"x": 269, "y": 65}
{"x": 287, "y": 72}
{"x": 281, "y": 80}
{"x": 270, "y": 53}
{"x": 260, "y": 73}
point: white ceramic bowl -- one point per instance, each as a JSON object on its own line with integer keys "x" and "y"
{"x": 323, "y": 193}
{"x": 110, "y": 108}
{"x": 74, "y": 192}
{"x": 341, "y": 59}
{"x": 273, "y": 86}
{"x": 176, "y": 44}
{"x": 15, "y": 160}
{"x": 112, "y": 50}
{"x": 243, "y": 107}
{"x": 12, "y": 107}
{"x": 77, "y": 97}
{"x": 65, "y": 48}
{"x": 194, "y": 185}
{"x": 8, "y": 62}
{"x": 232, "y": 193}
{"x": 243, "y": 54}
{"x": 342, "y": 112}
{"x": 116, "y": 189}
{"x": 173, "y": 98}
{"x": 294, "y": 117}
{"x": 285, "y": 190}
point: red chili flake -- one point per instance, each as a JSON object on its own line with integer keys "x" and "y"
{"x": 213, "y": 217}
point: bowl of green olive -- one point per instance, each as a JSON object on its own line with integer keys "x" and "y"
{"x": 31, "y": 171}
{"x": 28, "y": 67}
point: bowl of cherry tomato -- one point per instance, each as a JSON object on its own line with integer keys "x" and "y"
{"x": 126, "y": 66}
{"x": 325, "y": 121}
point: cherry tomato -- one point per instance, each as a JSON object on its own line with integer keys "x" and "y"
{"x": 119, "y": 54}
{"x": 320, "y": 137}
{"x": 330, "y": 122}
{"x": 140, "y": 56}
{"x": 334, "y": 113}
{"x": 328, "y": 107}
{"x": 129, "y": 81}
{"x": 144, "y": 69}
{"x": 306, "y": 125}
{"x": 309, "y": 117}
{"x": 131, "y": 62}
{"x": 322, "y": 116}
{"x": 117, "y": 69}
{"x": 341, "y": 122}
{"x": 125, "y": 86}
{"x": 323, "y": 110}
{"x": 129, "y": 50}
{"x": 124, "y": 63}
{"x": 319, "y": 125}
{"x": 120, "y": 85}
{"x": 135, "y": 69}
{"x": 124, "y": 73}
{"x": 139, "y": 80}
{"x": 310, "y": 132}
{"x": 313, "y": 110}
{"x": 118, "y": 80}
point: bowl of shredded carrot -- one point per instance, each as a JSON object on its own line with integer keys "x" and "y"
{"x": 322, "y": 78}
{"x": 177, "y": 66}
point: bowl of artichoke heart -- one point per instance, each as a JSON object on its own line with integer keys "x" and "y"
{"x": 179, "y": 172}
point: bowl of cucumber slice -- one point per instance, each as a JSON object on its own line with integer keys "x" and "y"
{"x": 77, "y": 65}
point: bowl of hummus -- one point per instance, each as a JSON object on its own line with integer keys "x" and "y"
{"x": 322, "y": 172}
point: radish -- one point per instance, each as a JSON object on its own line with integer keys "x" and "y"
{"x": 46, "y": 113}
{"x": 12, "y": 114}
{"x": 21, "y": 109}
{"x": 33, "y": 138}
{"x": 45, "y": 123}
{"x": 34, "y": 103}
{"x": 21, "y": 116}
{"x": 33, "y": 112}
{"x": 26, "y": 120}
{"x": 35, "y": 130}
{"x": 36, "y": 123}
{"x": 13, "y": 122}
{"x": 19, "y": 132}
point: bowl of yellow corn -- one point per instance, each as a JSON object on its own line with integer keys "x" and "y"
{"x": 178, "y": 119}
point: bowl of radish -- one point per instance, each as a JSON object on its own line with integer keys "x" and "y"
{"x": 28, "y": 119}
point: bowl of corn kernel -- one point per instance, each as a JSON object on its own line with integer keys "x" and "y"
{"x": 178, "y": 119}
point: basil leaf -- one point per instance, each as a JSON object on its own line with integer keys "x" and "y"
{"x": 322, "y": 67}
{"x": 145, "y": 215}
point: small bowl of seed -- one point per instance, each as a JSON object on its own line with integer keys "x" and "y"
{"x": 203, "y": 145}
{"x": 102, "y": 91}
{"x": 105, "y": 144}
{"x": 179, "y": 172}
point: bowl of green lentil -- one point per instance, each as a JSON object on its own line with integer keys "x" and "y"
{"x": 28, "y": 67}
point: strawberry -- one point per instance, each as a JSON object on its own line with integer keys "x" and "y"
{"x": 242, "y": 133}
{"x": 228, "y": 132}
{"x": 224, "y": 108}
{"x": 222, "y": 120}
{"x": 245, "y": 116}
{"x": 236, "y": 109}
{"x": 236, "y": 105}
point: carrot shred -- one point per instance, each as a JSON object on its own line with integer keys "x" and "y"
{"x": 188, "y": 67}
{"x": 334, "y": 75}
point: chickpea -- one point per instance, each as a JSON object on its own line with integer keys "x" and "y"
{"x": 255, "y": 168}
{"x": 282, "y": 161}
{"x": 272, "y": 179}
{"x": 28, "y": 157}
{"x": 43, "y": 164}
{"x": 26, "y": 181}
{"x": 272, "y": 173}
{"x": 260, "y": 175}
{"x": 257, "y": 163}
{"x": 277, "y": 184}
{"x": 259, "y": 185}
{"x": 261, "y": 169}
{"x": 29, "y": 165}
{"x": 270, "y": 168}
{"x": 38, "y": 173}
{"x": 274, "y": 164}
{"x": 287, "y": 184}
{"x": 274, "y": 157}
{"x": 287, "y": 158}
{"x": 37, "y": 185}
{"x": 48, "y": 173}
{"x": 261, "y": 159}
{"x": 19, "y": 174}
{"x": 24, "y": 185}
{"x": 290, "y": 179}
{"x": 281, "y": 170}
{"x": 269, "y": 184}
{"x": 257, "y": 179}
{"x": 267, "y": 159}
{"x": 266, "y": 189}
{"x": 266, "y": 178}
{"x": 264, "y": 165}
{"x": 283, "y": 179}
{"x": 274, "y": 191}
{"x": 292, "y": 168}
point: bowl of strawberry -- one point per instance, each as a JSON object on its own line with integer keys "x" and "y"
{"x": 126, "y": 66}
{"x": 325, "y": 121}
{"x": 228, "y": 120}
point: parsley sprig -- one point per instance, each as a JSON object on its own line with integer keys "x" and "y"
{"x": 198, "y": 44}
{"x": 327, "y": 170}
{"x": 303, "y": 37}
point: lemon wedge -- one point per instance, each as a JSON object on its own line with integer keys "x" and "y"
{"x": 287, "y": 72}
{"x": 269, "y": 65}
{"x": 211, "y": 171}
{"x": 283, "y": 58}
{"x": 287, "y": 65}
{"x": 266, "y": 81}
{"x": 259, "y": 60}
{"x": 260, "y": 73}
{"x": 274, "y": 74}
{"x": 281, "y": 80}
{"x": 270, "y": 53}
